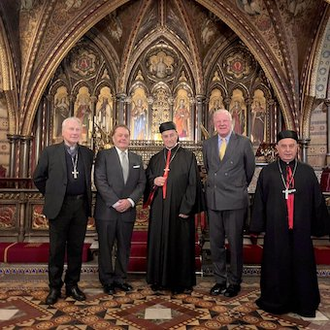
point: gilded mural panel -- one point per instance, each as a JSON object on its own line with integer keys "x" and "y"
{"x": 139, "y": 115}
{"x": 61, "y": 111}
{"x": 8, "y": 216}
{"x": 258, "y": 114}
{"x": 182, "y": 115}
{"x": 82, "y": 110}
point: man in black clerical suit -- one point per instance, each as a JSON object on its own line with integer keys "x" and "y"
{"x": 120, "y": 182}
{"x": 175, "y": 195}
{"x": 63, "y": 176}
{"x": 289, "y": 208}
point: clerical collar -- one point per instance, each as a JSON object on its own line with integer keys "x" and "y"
{"x": 284, "y": 164}
{"x": 72, "y": 150}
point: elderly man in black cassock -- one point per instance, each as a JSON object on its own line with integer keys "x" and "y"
{"x": 289, "y": 208}
{"x": 174, "y": 195}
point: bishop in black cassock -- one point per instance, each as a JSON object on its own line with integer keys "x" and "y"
{"x": 171, "y": 238}
{"x": 288, "y": 271}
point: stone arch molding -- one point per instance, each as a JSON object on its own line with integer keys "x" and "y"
{"x": 7, "y": 79}
{"x": 320, "y": 79}
{"x": 320, "y": 86}
{"x": 99, "y": 10}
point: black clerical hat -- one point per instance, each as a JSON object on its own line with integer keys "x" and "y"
{"x": 166, "y": 126}
{"x": 287, "y": 135}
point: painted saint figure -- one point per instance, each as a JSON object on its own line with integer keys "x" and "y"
{"x": 139, "y": 117}
{"x": 181, "y": 118}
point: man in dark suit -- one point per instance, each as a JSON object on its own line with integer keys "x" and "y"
{"x": 120, "y": 181}
{"x": 230, "y": 164}
{"x": 63, "y": 176}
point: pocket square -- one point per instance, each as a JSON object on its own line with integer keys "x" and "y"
{"x": 136, "y": 166}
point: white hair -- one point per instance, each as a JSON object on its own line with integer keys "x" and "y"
{"x": 223, "y": 111}
{"x": 66, "y": 120}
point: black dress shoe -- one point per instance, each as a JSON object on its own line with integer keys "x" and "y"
{"x": 232, "y": 290}
{"x": 109, "y": 289}
{"x": 181, "y": 289}
{"x": 53, "y": 296}
{"x": 124, "y": 286}
{"x": 75, "y": 293}
{"x": 156, "y": 287}
{"x": 217, "y": 289}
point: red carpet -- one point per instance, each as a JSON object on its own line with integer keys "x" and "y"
{"x": 38, "y": 253}
{"x": 32, "y": 252}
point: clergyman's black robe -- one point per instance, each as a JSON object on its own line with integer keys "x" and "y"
{"x": 288, "y": 272}
{"x": 171, "y": 240}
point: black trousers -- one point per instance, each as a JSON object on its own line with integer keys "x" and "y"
{"x": 66, "y": 236}
{"x": 114, "y": 236}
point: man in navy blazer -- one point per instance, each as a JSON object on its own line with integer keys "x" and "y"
{"x": 230, "y": 163}
{"x": 120, "y": 181}
{"x": 63, "y": 176}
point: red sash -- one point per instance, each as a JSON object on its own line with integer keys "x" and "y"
{"x": 290, "y": 200}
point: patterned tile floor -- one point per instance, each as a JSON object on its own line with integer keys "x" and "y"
{"x": 22, "y": 296}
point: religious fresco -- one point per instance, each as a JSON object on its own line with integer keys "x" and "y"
{"x": 258, "y": 117}
{"x": 251, "y": 7}
{"x": 216, "y": 103}
{"x": 139, "y": 115}
{"x": 238, "y": 111}
{"x": 103, "y": 117}
{"x": 115, "y": 26}
{"x": 39, "y": 221}
{"x": 8, "y": 213}
{"x": 82, "y": 110}
{"x": 238, "y": 64}
{"x": 161, "y": 65}
{"x": 61, "y": 111}
{"x": 160, "y": 110}
{"x": 84, "y": 63}
{"x": 182, "y": 115}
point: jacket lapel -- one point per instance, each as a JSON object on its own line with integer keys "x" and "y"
{"x": 61, "y": 154}
{"x": 230, "y": 148}
{"x": 83, "y": 158}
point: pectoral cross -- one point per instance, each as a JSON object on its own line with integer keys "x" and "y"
{"x": 287, "y": 192}
{"x": 75, "y": 173}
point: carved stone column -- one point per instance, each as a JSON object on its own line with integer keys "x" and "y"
{"x": 271, "y": 114}
{"x": 200, "y": 110}
{"x": 327, "y": 104}
{"x": 277, "y": 121}
{"x": 120, "y": 113}
{"x": 94, "y": 120}
{"x": 248, "y": 101}
{"x": 13, "y": 160}
{"x": 25, "y": 156}
{"x": 304, "y": 145}
{"x": 72, "y": 99}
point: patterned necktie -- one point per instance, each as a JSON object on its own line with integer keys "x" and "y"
{"x": 166, "y": 170}
{"x": 223, "y": 147}
{"x": 124, "y": 164}
{"x": 290, "y": 200}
